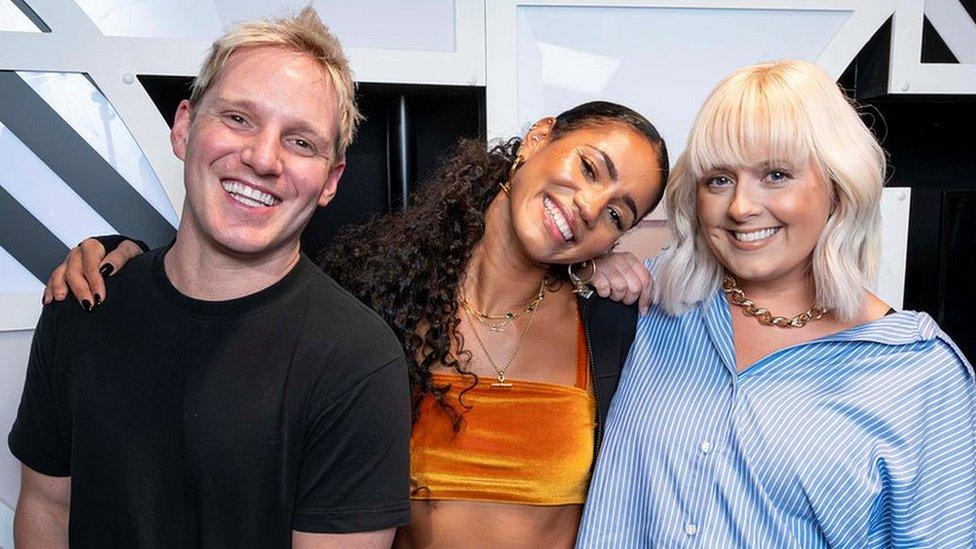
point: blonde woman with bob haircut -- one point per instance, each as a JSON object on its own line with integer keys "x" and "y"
{"x": 769, "y": 399}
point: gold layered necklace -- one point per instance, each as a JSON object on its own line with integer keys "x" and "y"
{"x": 497, "y": 323}
{"x": 738, "y": 298}
{"x": 530, "y": 309}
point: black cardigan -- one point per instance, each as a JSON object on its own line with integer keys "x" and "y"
{"x": 610, "y": 328}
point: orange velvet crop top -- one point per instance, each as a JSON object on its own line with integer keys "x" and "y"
{"x": 531, "y": 443}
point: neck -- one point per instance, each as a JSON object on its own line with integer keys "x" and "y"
{"x": 198, "y": 269}
{"x": 499, "y": 276}
{"x": 786, "y": 295}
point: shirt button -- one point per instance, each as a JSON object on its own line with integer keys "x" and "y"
{"x": 705, "y": 447}
{"x": 691, "y": 529}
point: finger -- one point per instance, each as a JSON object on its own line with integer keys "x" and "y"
{"x": 74, "y": 275}
{"x": 618, "y": 287}
{"x": 647, "y": 289}
{"x": 91, "y": 259}
{"x": 633, "y": 287}
{"x": 56, "y": 289}
{"x": 117, "y": 259}
{"x": 601, "y": 284}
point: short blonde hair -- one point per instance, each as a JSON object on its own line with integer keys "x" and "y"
{"x": 789, "y": 111}
{"x": 304, "y": 33}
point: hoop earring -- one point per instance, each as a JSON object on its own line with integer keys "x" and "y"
{"x": 580, "y": 282}
{"x": 507, "y": 185}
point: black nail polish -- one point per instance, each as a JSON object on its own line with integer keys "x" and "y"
{"x": 106, "y": 269}
{"x": 86, "y": 305}
{"x": 98, "y": 300}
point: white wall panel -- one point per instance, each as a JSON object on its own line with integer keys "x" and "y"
{"x": 660, "y": 61}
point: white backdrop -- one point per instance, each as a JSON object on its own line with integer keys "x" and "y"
{"x": 536, "y": 57}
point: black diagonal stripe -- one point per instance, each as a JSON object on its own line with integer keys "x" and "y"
{"x": 53, "y": 141}
{"x": 30, "y": 14}
{"x": 27, "y": 239}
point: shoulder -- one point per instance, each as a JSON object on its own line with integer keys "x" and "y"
{"x": 914, "y": 347}
{"x": 340, "y": 327}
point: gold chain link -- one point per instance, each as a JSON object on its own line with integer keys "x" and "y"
{"x": 766, "y": 318}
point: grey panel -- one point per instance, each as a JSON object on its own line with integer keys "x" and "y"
{"x": 27, "y": 239}
{"x": 38, "y": 22}
{"x": 39, "y": 127}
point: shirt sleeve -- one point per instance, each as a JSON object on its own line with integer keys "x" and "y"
{"x": 930, "y": 500}
{"x": 39, "y": 438}
{"x": 355, "y": 471}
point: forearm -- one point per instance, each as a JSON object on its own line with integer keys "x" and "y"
{"x": 40, "y": 525}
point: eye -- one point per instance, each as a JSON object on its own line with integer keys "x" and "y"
{"x": 587, "y": 167}
{"x": 236, "y": 119}
{"x": 717, "y": 181}
{"x": 778, "y": 176}
{"x": 302, "y": 146}
{"x": 616, "y": 219}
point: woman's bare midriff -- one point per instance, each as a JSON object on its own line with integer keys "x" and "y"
{"x": 451, "y": 524}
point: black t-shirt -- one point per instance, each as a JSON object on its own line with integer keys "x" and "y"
{"x": 187, "y": 423}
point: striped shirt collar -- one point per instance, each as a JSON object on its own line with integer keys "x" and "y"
{"x": 900, "y": 328}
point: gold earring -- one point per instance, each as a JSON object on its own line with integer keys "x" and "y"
{"x": 580, "y": 282}
{"x": 507, "y": 185}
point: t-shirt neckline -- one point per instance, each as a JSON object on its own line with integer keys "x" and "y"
{"x": 240, "y": 306}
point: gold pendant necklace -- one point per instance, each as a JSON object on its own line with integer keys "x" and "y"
{"x": 766, "y": 318}
{"x": 500, "y": 372}
{"x": 497, "y": 323}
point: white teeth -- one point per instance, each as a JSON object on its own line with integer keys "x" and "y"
{"x": 557, "y": 216}
{"x": 248, "y": 195}
{"x": 755, "y": 235}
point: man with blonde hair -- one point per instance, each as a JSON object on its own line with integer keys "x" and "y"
{"x": 231, "y": 395}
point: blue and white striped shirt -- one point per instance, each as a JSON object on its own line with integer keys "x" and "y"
{"x": 862, "y": 438}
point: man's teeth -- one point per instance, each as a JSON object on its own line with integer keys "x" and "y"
{"x": 557, "y": 216}
{"x": 755, "y": 235}
{"x": 248, "y": 195}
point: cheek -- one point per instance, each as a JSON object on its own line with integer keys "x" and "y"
{"x": 710, "y": 210}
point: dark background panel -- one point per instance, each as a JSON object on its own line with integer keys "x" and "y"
{"x": 929, "y": 140}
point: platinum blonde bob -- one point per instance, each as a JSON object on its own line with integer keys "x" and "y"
{"x": 784, "y": 111}
{"x": 305, "y": 34}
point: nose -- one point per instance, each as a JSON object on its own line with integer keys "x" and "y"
{"x": 262, "y": 153}
{"x": 589, "y": 203}
{"x": 743, "y": 205}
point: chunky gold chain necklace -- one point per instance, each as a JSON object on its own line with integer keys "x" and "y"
{"x": 500, "y": 372}
{"x": 766, "y": 318}
{"x": 497, "y": 323}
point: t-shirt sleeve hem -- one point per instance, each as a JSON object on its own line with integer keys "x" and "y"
{"x": 347, "y": 521}
{"x": 36, "y": 461}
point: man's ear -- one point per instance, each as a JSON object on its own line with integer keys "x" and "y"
{"x": 332, "y": 183}
{"x": 180, "y": 133}
{"x": 537, "y": 137}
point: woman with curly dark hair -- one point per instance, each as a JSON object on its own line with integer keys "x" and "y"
{"x": 512, "y": 364}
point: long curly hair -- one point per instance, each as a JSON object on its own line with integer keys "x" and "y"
{"x": 407, "y": 265}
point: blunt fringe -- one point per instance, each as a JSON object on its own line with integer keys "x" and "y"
{"x": 787, "y": 111}
{"x": 305, "y": 34}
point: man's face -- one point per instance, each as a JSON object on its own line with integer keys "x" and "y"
{"x": 258, "y": 152}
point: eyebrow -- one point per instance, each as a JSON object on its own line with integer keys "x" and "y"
{"x": 611, "y": 167}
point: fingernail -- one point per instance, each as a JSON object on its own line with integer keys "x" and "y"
{"x": 86, "y": 305}
{"x": 106, "y": 269}
{"x": 98, "y": 300}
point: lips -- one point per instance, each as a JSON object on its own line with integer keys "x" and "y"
{"x": 248, "y": 195}
{"x": 558, "y": 219}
